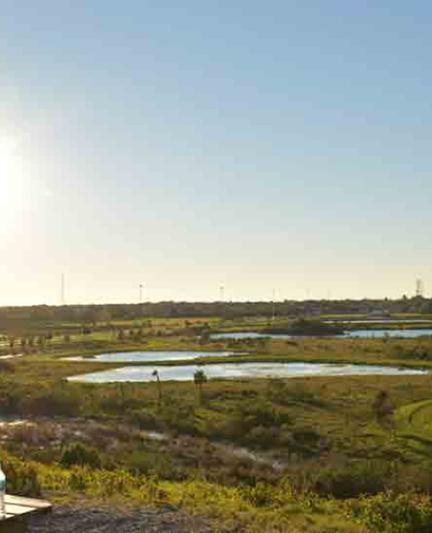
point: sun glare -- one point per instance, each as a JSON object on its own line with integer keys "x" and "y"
{"x": 8, "y": 159}
{"x": 10, "y": 176}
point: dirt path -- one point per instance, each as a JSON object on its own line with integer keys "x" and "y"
{"x": 71, "y": 519}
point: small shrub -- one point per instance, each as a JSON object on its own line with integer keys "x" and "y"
{"x": 78, "y": 480}
{"x": 259, "y": 495}
{"x": 351, "y": 481}
{"x": 80, "y": 455}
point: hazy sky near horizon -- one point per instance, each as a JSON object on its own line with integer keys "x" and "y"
{"x": 261, "y": 145}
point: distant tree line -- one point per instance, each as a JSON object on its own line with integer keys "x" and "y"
{"x": 44, "y": 316}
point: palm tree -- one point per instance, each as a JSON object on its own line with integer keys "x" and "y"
{"x": 155, "y": 374}
{"x": 200, "y": 378}
{"x": 384, "y": 409}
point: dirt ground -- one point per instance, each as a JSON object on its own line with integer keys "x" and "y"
{"x": 71, "y": 519}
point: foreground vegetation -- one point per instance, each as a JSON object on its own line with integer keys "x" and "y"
{"x": 262, "y": 507}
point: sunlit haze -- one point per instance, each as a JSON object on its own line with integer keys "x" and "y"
{"x": 269, "y": 147}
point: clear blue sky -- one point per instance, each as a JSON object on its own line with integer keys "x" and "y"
{"x": 183, "y": 145}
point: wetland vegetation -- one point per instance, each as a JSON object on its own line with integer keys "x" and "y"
{"x": 321, "y": 453}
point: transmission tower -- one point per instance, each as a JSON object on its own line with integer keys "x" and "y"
{"x": 273, "y": 304}
{"x": 221, "y": 293}
{"x": 419, "y": 287}
{"x": 62, "y": 290}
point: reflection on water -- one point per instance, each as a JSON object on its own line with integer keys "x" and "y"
{"x": 382, "y": 321}
{"x": 238, "y": 335}
{"x": 378, "y": 333}
{"x": 381, "y": 333}
{"x": 240, "y": 370}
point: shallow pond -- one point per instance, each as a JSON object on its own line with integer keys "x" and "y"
{"x": 240, "y": 370}
{"x": 382, "y": 321}
{"x": 381, "y": 333}
{"x": 239, "y": 335}
{"x": 149, "y": 356}
{"x": 368, "y": 333}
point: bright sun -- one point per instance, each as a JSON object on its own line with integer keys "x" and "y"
{"x": 10, "y": 175}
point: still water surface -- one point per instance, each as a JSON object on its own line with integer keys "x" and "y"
{"x": 238, "y": 335}
{"x": 240, "y": 370}
{"x": 381, "y": 333}
{"x": 364, "y": 333}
